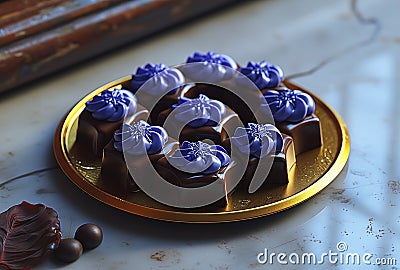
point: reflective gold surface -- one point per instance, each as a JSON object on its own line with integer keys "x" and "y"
{"x": 313, "y": 171}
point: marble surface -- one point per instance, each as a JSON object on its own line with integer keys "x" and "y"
{"x": 359, "y": 80}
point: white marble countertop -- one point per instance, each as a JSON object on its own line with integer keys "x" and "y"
{"x": 361, "y": 208}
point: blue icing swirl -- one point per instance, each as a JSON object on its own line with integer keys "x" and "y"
{"x": 199, "y": 157}
{"x": 157, "y": 79}
{"x": 140, "y": 138}
{"x": 211, "y": 67}
{"x": 258, "y": 140}
{"x": 263, "y": 74}
{"x": 112, "y": 105}
{"x": 289, "y": 105}
{"x": 198, "y": 112}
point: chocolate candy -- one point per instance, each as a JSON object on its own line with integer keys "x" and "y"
{"x": 69, "y": 250}
{"x": 306, "y": 134}
{"x": 115, "y": 175}
{"x": 93, "y": 135}
{"x": 90, "y": 235}
{"x": 228, "y": 97}
{"x": 216, "y": 133}
{"x": 282, "y": 162}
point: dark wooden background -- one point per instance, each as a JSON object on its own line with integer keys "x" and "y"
{"x": 39, "y": 37}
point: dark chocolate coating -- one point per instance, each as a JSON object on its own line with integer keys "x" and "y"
{"x": 90, "y": 236}
{"x": 114, "y": 171}
{"x": 4, "y": 267}
{"x": 92, "y": 135}
{"x": 279, "y": 172}
{"x": 191, "y": 180}
{"x": 227, "y": 97}
{"x": 69, "y": 250}
{"x": 306, "y": 134}
{"x": 165, "y": 102}
{"x": 229, "y": 122}
{"x": 147, "y": 101}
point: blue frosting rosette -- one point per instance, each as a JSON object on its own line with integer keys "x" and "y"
{"x": 112, "y": 105}
{"x": 258, "y": 140}
{"x": 140, "y": 138}
{"x": 157, "y": 79}
{"x": 210, "y": 67}
{"x": 288, "y": 105}
{"x": 263, "y": 74}
{"x": 198, "y": 112}
{"x": 199, "y": 157}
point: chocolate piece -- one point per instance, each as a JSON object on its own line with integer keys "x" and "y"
{"x": 90, "y": 236}
{"x": 216, "y": 132}
{"x": 197, "y": 164}
{"x": 279, "y": 172}
{"x": 4, "y": 267}
{"x": 27, "y": 232}
{"x": 92, "y": 135}
{"x": 194, "y": 180}
{"x": 293, "y": 112}
{"x": 164, "y": 103}
{"x": 151, "y": 82}
{"x": 147, "y": 101}
{"x": 227, "y": 97}
{"x": 306, "y": 134}
{"x": 69, "y": 250}
{"x": 114, "y": 170}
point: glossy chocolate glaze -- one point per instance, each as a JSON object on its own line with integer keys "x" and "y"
{"x": 191, "y": 180}
{"x": 92, "y": 135}
{"x": 114, "y": 170}
{"x": 69, "y": 250}
{"x": 227, "y": 97}
{"x": 90, "y": 235}
{"x": 230, "y": 120}
{"x": 282, "y": 162}
{"x": 27, "y": 232}
{"x": 306, "y": 134}
{"x": 147, "y": 101}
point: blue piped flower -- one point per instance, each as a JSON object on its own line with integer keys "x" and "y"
{"x": 157, "y": 79}
{"x": 199, "y": 157}
{"x": 289, "y": 105}
{"x": 209, "y": 67}
{"x": 258, "y": 140}
{"x": 112, "y": 105}
{"x": 200, "y": 111}
{"x": 263, "y": 74}
{"x": 140, "y": 138}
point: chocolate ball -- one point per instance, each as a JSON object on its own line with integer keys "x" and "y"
{"x": 69, "y": 250}
{"x": 90, "y": 235}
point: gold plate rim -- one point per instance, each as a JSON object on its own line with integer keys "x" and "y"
{"x": 59, "y": 146}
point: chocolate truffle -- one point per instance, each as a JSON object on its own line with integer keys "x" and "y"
{"x": 209, "y": 67}
{"x": 201, "y": 118}
{"x": 103, "y": 115}
{"x": 154, "y": 82}
{"x": 139, "y": 140}
{"x": 90, "y": 235}
{"x": 196, "y": 164}
{"x": 227, "y": 97}
{"x": 69, "y": 250}
{"x": 258, "y": 141}
{"x": 293, "y": 112}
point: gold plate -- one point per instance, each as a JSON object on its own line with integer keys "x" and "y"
{"x": 313, "y": 171}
